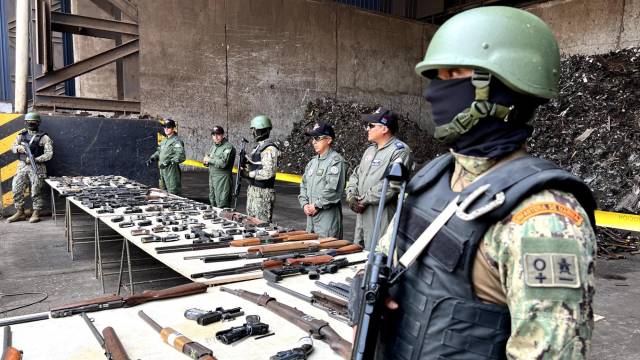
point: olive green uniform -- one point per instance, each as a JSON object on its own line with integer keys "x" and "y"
{"x": 170, "y": 154}
{"x": 323, "y": 185}
{"x": 220, "y": 163}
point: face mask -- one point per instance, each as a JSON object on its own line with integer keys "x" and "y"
{"x": 448, "y": 98}
{"x": 32, "y": 125}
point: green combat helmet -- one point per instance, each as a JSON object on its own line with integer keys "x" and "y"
{"x": 32, "y": 116}
{"x": 261, "y": 122}
{"x": 511, "y": 44}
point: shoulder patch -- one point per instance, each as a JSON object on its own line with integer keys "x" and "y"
{"x": 551, "y": 270}
{"x": 399, "y": 145}
{"x": 541, "y": 208}
{"x": 334, "y": 170}
{"x": 177, "y": 145}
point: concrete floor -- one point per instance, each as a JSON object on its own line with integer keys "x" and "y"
{"x": 34, "y": 259}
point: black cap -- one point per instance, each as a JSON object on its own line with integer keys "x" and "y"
{"x": 383, "y": 116}
{"x": 217, "y": 130}
{"x": 169, "y": 123}
{"x": 321, "y": 129}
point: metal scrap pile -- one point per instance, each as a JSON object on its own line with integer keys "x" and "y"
{"x": 351, "y": 138}
{"x": 593, "y": 130}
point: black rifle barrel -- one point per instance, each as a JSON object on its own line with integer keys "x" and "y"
{"x": 95, "y": 331}
{"x": 150, "y": 321}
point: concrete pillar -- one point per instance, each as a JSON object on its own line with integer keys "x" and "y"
{"x": 22, "y": 55}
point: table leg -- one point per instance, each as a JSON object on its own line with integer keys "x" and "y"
{"x": 53, "y": 208}
{"x": 121, "y": 267}
{"x": 131, "y": 291}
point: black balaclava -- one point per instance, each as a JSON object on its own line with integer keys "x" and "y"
{"x": 32, "y": 125}
{"x": 261, "y": 134}
{"x": 491, "y": 137}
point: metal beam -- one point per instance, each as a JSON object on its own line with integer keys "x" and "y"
{"x": 90, "y": 26}
{"x": 84, "y": 66}
{"x": 80, "y": 103}
{"x": 125, "y": 6}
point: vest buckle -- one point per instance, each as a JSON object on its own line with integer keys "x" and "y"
{"x": 494, "y": 204}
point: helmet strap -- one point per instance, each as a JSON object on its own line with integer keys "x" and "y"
{"x": 480, "y": 108}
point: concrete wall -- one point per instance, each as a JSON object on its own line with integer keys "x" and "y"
{"x": 205, "y": 64}
{"x": 592, "y": 26}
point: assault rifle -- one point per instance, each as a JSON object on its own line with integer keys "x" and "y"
{"x": 375, "y": 283}
{"x": 8, "y": 351}
{"x": 273, "y": 262}
{"x": 32, "y": 161}
{"x": 313, "y": 271}
{"x": 317, "y": 328}
{"x": 109, "y": 341}
{"x": 242, "y": 162}
{"x": 225, "y": 241}
{"x": 336, "y": 308}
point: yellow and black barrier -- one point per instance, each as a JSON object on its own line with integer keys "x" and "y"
{"x": 10, "y": 125}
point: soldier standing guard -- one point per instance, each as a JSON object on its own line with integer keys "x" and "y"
{"x": 41, "y": 147}
{"x": 322, "y": 184}
{"x": 261, "y": 168}
{"x": 220, "y": 161}
{"x": 169, "y": 155}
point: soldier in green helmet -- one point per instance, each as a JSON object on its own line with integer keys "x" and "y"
{"x": 40, "y": 145}
{"x": 262, "y": 165}
{"x": 220, "y": 161}
{"x": 169, "y": 155}
{"x": 509, "y": 267}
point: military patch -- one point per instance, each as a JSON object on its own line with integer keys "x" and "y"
{"x": 546, "y": 208}
{"x": 399, "y": 145}
{"x": 376, "y": 162}
{"x": 551, "y": 270}
{"x": 177, "y": 145}
{"x": 334, "y": 170}
{"x": 319, "y": 172}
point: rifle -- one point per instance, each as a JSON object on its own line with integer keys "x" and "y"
{"x": 111, "y": 344}
{"x": 336, "y": 308}
{"x": 314, "y": 271}
{"x": 335, "y": 288}
{"x": 242, "y": 162}
{"x": 8, "y": 351}
{"x": 278, "y": 261}
{"x": 114, "y": 301}
{"x": 182, "y": 343}
{"x": 300, "y": 352}
{"x": 32, "y": 161}
{"x": 317, "y": 328}
{"x": 375, "y": 282}
{"x": 262, "y": 251}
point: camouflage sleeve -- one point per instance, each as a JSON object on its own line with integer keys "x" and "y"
{"x": 47, "y": 143}
{"x": 372, "y": 196}
{"x": 544, "y": 251}
{"x": 16, "y": 143}
{"x": 334, "y": 183}
{"x": 269, "y": 160}
{"x": 303, "y": 199}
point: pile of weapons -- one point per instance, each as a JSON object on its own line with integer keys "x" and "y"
{"x": 69, "y": 185}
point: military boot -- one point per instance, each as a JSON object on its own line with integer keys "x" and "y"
{"x": 35, "y": 216}
{"x": 18, "y": 216}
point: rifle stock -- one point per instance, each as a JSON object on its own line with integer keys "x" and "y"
{"x": 176, "y": 291}
{"x": 113, "y": 345}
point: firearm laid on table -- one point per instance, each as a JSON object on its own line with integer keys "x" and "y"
{"x": 336, "y": 308}
{"x": 242, "y": 163}
{"x": 379, "y": 275}
{"x": 109, "y": 341}
{"x": 319, "y": 329}
{"x": 8, "y": 351}
{"x": 312, "y": 270}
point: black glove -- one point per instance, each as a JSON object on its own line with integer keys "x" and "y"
{"x": 165, "y": 164}
{"x": 148, "y": 162}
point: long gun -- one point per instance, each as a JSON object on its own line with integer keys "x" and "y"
{"x": 109, "y": 341}
{"x": 182, "y": 343}
{"x": 242, "y": 162}
{"x": 8, "y": 351}
{"x": 317, "y": 328}
{"x": 32, "y": 161}
{"x": 262, "y": 251}
{"x": 336, "y": 308}
{"x": 375, "y": 283}
{"x": 226, "y": 242}
{"x": 277, "y": 261}
{"x": 114, "y": 301}
{"x": 313, "y": 271}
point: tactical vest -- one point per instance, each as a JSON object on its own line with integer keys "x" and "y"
{"x": 34, "y": 146}
{"x": 440, "y": 316}
{"x": 256, "y": 164}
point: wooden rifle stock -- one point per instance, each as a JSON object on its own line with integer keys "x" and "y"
{"x": 113, "y": 345}
{"x": 255, "y": 241}
{"x": 176, "y": 291}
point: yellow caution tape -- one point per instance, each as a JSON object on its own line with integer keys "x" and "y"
{"x": 617, "y": 220}
{"x": 292, "y": 178}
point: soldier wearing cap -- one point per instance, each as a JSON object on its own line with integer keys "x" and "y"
{"x": 220, "y": 161}
{"x": 41, "y": 147}
{"x": 365, "y": 183}
{"x": 169, "y": 155}
{"x": 322, "y": 184}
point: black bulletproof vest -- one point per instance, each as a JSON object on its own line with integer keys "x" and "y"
{"x": 440, "y": 316}
{"x": 256, "y": 164}
{"x": 34, "y": 146}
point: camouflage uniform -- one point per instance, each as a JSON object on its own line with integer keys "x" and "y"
{"x": 170, "y": 154}
{"x": 512, "y": 267}
{"x": 260, "y": 200}
{"x": 322, "y": 185}
{"x": 220, "y": 162}
{"x": 25, "y": 176}
{"x": 366, "y": 183}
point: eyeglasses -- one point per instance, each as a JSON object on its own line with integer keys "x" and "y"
{"x": 371, "y": 126}
{"x": 318, "y": 138}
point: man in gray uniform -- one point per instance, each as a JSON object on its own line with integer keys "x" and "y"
{"x": 220, "y": 161}
{"x": 323, "y": 185}
{"x": 365, "y": 183}
{"x": 169, "y": 155}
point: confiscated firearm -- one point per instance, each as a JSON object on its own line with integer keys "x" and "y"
{"x": 8, "y": 351}
{"x": 204, "y": 318}
{"x": 182, "y": 343}
{"x": 265, "y": 251}
{"x": 253, "y": 326}
{"x": 300, "y": 352}
{"x": 242, "y": 163}
{"x": 313, "y": 271}
{"x": 317, "y": 328}
{"x": 376, "y": 280}
{"x": 336, "y": 308}
{"x": 114, "y": 301}
{"x": 109, "y": 341}
{"x": 277, "y": 261}
{"x": 336, "y": 288}
{"x": 32, "y": 161}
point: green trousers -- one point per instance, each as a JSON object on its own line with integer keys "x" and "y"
{"x": 220, "y": 185}
{"x": 171, "y": 179}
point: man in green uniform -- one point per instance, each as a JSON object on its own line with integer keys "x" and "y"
{"x": 322, "y": 184}
{"x": 169, "y": 155}
{"x": 365, "y": 183}
{"x": 509, "y": 273}
{"x": 261, "y": 168}
{"x": 41, "y": 147}
{"x": 220, "y": 161}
